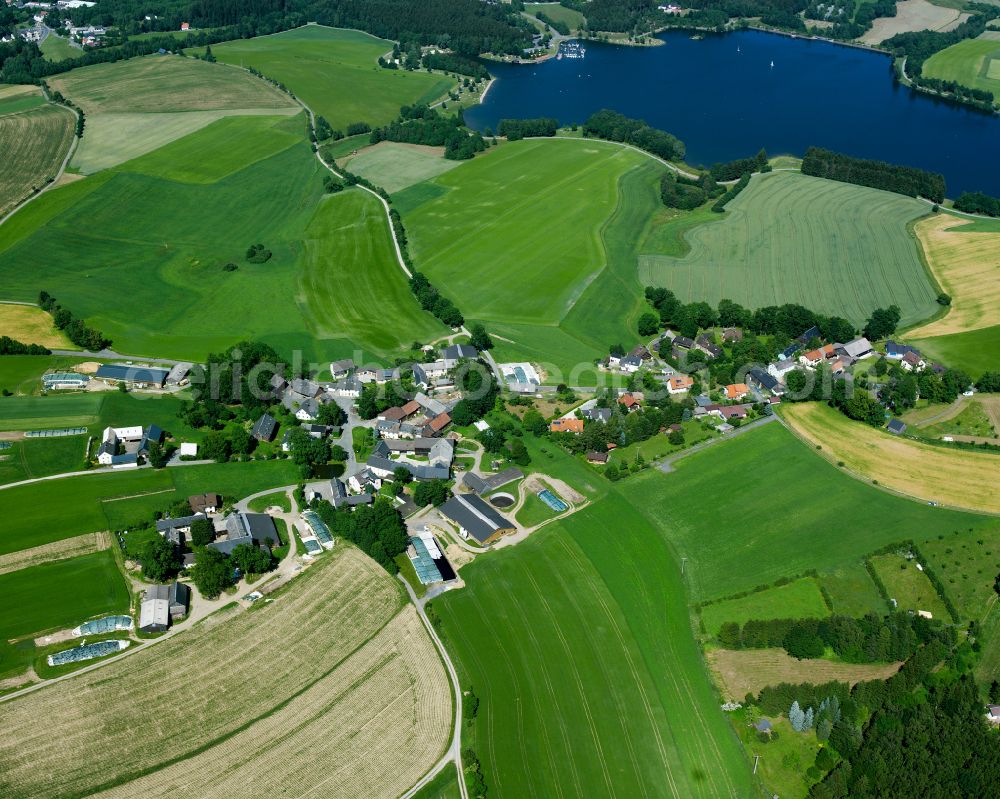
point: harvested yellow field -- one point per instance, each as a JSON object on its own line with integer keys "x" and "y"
{"x": 371, "y": 727}
{"x": 739, "y": 672}
{"x": 961, "y": 478}
{"x": 328, "y": 660}
{"x": 57, "y": 550}
{"x": 29, "y": 324}
{"x": 967, "y": 265}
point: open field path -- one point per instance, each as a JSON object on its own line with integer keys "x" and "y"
{"x": 454, "y": 751}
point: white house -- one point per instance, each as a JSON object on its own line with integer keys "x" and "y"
{"x": 630, "y": 364}
{"x": 779, "y": 369}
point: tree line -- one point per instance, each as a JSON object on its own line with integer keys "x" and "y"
{"x": 871, "y": 639}
{"x": 424, "y": 125}
{"x": 377, "y": 529}
{"x": 874, "y": 174}
{"x": 84, "y": 337}
{"x": 975, "y": 202}
{"x": 517, "y": 129}
{"x": 9, "y": 346}
{"x": 611, "y": 125}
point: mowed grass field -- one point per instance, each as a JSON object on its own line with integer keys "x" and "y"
{"x": 765, "y": 505}
{"x": 31, "y": 325}
{"x": 21, "y": 374}
{"x": 833, "y": 247}
{"x": 350, "y": 278}
{"x": 336, "y": 73}
{"x": 135, "y": 106}
{"x": 352, "y": 703}
{"x": 160, "y": 228}
{"x": 972, "y": 62}
{"x": 562, "y": 217}
{"x": 927, "y": 472}
{"x": 578, "y": 644}
{"x": 557, "y": 12}
{"x": 909, "y": 586}
{"x": 36, "y": 139}
{"x": 52, "y": 510}
{"x": 395, "y": 166}
{"x": 799, "y": 599}
{"x": 57, "y": 48}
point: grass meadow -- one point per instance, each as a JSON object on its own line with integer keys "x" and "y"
{"x": 36, "y": 140}
{"x": 909, "y": 586}
{"x": 972, "y": 62}
{"x": 974, "y": 351}
{"x": 578, "y": 644}
{"x": 558, "y": 13}
{"x": 785, "y": 511}
{"x": 162, "y": 227}
{"x": 335, "y": 72}
{"x": 395, "y": 166}
{"x": 136, "y": 106}
{"x": 58, "y": 48}
{"x": 852, "y": 591}
{"x": 54, "y": 596}
{"x": 31, "y": 325}
{"x": 52, "y": 510}
{"x": 562, "y": 217}
{"x": 925, "y": 471}
{"x": 834, "y": 247}
{"x": 799, "y": 599}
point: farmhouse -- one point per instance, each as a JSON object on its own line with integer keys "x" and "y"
{"x": 707, "y": 346}
{"x": 247, "y": 528}
{"x": 629, "y": 402}
{"x": 178, "y": 374}
{"x": 912, "y": 362}
{"x": 205, "y": 503}
{"x": 171, "y": 529}
{"x": 265, "y": 428}
{"x": 594, "y": 414}
{"x": 137, "y": 376}
{"x": 736, "y": 391}
{"x": 341, "y": 369}
{"x": 484, "y": 485}
{"x": 758, "y": 377}
{"x": 350, "y": 388}
{"x": 476, "y": 518}
{"x": 458, "y": 352}
{"x": 564, "y": 425}
{"x": 896, "y": 351}
{"x": 121, "y": 446}
{"x": 859, "y": 348}
{"x": 364, "y": 481}
{"x": 597, "y": 457}
{"x": 162, "y": 604}
{"x": 678, "y": 384}
{"x": 814, "y": 357}
{"x": 781, "y": 368}
{"x": 732, "y": 334}
{"x": 896, "y": 426}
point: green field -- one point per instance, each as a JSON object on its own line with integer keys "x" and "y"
{"x": 578, "y": 644}
{"x": 833, "y": 247}
{"x": 562, "y": 217}
{"x": 443, "y": 786}
{"x": 162, "y": 226}
{"x": 36, "y": 457}
{"x": 558, "y": 13}
{"x": 22, "y": 374}
{"x": 134, "y": 107}
{"x": 784, "y": 513}
{"x": 57, "y": 48}
{"x": 975, "y": 351}
{"x": 799, "y": 599}
{"x": 56, "y": 509}
{"x": 54, "y": 596}
{"x": 972, "y": 62}
{"x": 395, "y": 166}
{"x": 534, "y": 511}
{"x": 852, "y": 591}
{"x": 335, "y": 72}
{"x": 908, "y": 585}
{"x": 279, "y": 498}
{"x": 36, "y": 139}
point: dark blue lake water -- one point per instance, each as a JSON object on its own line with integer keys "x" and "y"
{"x": 721, "y": 96}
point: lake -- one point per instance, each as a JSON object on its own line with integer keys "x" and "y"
{"x": 722, "y": 97}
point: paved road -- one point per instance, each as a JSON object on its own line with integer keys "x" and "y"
{"x": 454, "y": 751}
{"x": 667, "y": 464}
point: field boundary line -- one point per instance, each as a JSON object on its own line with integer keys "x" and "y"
{"x": 627, "y": 146}
{"x": 74, "y": 143}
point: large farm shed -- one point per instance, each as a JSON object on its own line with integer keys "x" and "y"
{"x": 476, "y": 518}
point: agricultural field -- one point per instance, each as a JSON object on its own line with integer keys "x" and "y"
{"x": 37, "y": 457}
{"x": 908, "y": 585}
{"x": 834, "y": 247}
{"x": 163, "y": 226}
{"x": 557, "y": 12}
{"x": 348, "y": 243}
{"x": 335, "y": 72}
{"x": 510, "y": 218}
{"x": 659, "y": 446}
{"x": 966, "y": 262}
{"x": 974, "y": 351}
{"x": 927, "y": 472}
{"x": 914, "y": 15}
{"x": 355, "y": 688}
{"x": 972, "y": 62}
{"x": 134, "y": 107}
{"x": 53, "y": 596}
{"x": 578, "y": 645}
{"x": 395, "y": 166}
{"x": 31, "y": 325}
{"x": 742, "y": 671}
{"x": 57, "y": 550}
{"x": 799, "y": 599}
{"x": 36, "y": 139}
{"x": 53, "y": 510}
{"x": 971, "y": 421}
{"x": 783, "y": 532}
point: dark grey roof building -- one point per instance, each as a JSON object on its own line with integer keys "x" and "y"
{"x": 896, "y": 426}
{"x": 247, "y": 528}
{"x": 136, "y": 375}
{"x": 265, "y": 428}
{"x": 476, "y": 518}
